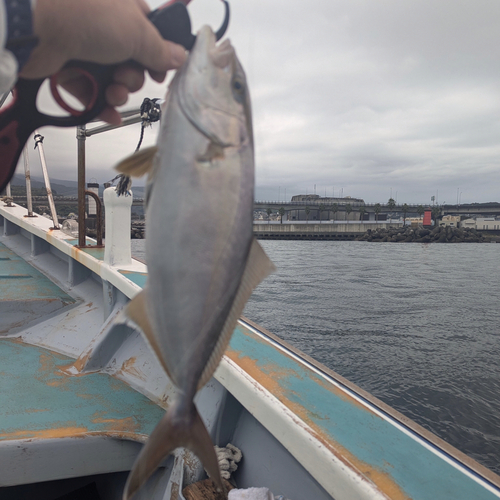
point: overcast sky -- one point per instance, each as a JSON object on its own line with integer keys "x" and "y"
{"x": 361, "y": 97}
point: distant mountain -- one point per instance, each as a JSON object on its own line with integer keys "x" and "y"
{"x": 60, "y": 187}
{"x": 64, "y": 187}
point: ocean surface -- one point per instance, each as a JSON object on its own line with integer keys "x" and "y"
{"x": 418, "y": 326}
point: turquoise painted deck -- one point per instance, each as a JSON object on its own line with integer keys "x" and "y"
{"x": 97, "y": 253}
{"x": 135, "y": 277}
{"x": 41, "y": 401}
{"x": 373, "y": 444}
{"x": 21, "y": 282}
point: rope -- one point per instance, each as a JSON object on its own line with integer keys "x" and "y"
{"x": 228, "y": 459}
{"x": 143, "y": 126}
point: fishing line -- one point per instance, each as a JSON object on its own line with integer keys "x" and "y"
{"x": 150, "y": 112}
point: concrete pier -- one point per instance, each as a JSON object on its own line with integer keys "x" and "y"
{"x": 311, "y": 231}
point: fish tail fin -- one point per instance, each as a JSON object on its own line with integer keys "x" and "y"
{"x": 175, "y": 430}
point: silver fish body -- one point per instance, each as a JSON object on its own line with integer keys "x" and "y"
{"x": 203, "y": 261}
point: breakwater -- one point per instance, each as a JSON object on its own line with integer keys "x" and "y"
{"x": 138, "y": 230}
{"x": 438, "y": 234}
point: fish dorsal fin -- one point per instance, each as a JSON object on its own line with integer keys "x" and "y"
{"x": 136, "y": 310}
{"x": 258, "y": 266}
{"x": 138, "y": 164}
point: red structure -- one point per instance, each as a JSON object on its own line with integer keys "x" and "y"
{"x": 427, "y": 218}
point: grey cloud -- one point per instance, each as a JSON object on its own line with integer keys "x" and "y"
{"x": 357, "y": 94}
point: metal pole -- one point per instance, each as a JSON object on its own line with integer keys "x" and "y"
{"x": 39, "y": 144}
{"x": 27, "y": 176}
{"x": 106, "y": 128}
{"x": 98, "y": 216}
{"x": 81, "y": 137}
{"x": 4, "y": 98}
{"x": 8, "y": 192}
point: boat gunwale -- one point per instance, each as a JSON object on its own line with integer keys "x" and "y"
{"x": 353, "y": 389}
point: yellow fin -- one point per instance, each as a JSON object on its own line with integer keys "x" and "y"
{"x": 258, "y": 266}
{"x": 136, "y": 310}
{"x": 139, "y": 163}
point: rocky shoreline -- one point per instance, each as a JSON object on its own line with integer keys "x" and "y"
{"x": 422, "y": 235}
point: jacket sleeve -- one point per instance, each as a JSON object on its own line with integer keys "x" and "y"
{"x": 8, "y": 63}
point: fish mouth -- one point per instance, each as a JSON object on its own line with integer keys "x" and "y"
{"x": 222, "y": 55}
{"x": 205, "y": 84}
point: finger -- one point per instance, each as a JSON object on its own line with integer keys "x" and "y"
{"x": 158, "y": 76}
{"x": 76, "y": 84}
{"x": 116, "y": 94}
{"x": 111, "y": 116}
{"x": 130, "y": 76}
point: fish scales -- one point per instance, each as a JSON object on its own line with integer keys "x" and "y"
{"x": 203, "y": 261}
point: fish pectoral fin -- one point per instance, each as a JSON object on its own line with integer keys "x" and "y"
{"x": 139, "y": 163}
{"x": 214, "y": 152}
{"x": 174, "y": 430}
{"x": 136, "y": 310}
{"x": 257, "y": 267}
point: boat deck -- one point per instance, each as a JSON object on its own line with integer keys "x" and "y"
{"x": 25, "y": 292}
{"x": 42, "y": 401}
{"x": 53, "y": 424}
{"x": 56, "y": 426}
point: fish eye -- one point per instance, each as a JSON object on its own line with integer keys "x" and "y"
{"x": 238, "y": 85}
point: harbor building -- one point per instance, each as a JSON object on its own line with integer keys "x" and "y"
{"x": 450, "y": 221}
{"x": 314, "y": 207}
{"x": 481, "y": 224}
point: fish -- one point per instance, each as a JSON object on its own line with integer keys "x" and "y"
{"x": 203, "y": 260}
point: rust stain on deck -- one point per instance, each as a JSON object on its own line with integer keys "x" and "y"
{"x": 270, "y": 381}
{"x": 120, "y": 425}
{"x": 60, "y": 432}
{"x": 128, "y": 367}
{"x": 78, "y": 365}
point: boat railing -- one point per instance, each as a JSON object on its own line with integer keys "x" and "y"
{"x": 39, "y": 145}
{"x": 98, "y": 216}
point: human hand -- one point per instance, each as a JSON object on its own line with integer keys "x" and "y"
{"x": 105, "y": 32}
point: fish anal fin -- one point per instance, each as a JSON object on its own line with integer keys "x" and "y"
{"x": 139, "y": 163}
{"x": 258, "y": 266}
{"x": 136, "y": 310}
{"x": 176, "y": 429}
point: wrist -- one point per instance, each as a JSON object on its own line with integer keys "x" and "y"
{"x": 20, "y": 37}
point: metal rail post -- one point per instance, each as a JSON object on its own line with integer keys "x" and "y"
{"x": 4, "y": 98}
{"x": 39, "y": 144}
{"x": 81, "y": 137}
{"x": 98, "y": 205}
{"x": 27, "y": 175}
{"x": 8, "y": 196}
